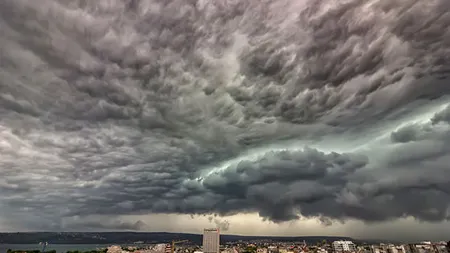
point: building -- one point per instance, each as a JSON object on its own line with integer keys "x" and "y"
{"x": 211, "y": 240}
{"x": 273, "y": 249}
{"x": 114, "y": 249}
{"x": 395, "y": 249}
{"x": 344, "y": 246}
{"x": 168, "y": 248}
{"x": 441, "y": 247}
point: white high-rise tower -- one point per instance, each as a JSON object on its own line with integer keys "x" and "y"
{"x": 211, "y": 240}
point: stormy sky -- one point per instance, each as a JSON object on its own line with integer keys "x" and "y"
{"x": 287, "y": 117}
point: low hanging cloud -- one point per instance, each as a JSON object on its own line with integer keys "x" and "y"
{"x": 290, "y": 109}
{"x": 105, "y": 224}
{"x": 223, "y": 225}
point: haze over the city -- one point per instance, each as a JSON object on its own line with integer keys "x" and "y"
{"x": 261, "y": 117}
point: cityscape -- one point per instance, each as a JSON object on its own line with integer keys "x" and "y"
{"x": 211, "y": 243}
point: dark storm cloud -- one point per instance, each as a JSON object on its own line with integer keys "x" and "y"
{"x": 134, "y": 107}
{"x": 280, "y": 182}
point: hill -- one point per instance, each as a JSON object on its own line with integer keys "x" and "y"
{"x": 131, "y": 237}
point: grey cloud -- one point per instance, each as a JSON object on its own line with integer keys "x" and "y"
{"x": 405, "y": 134}
{"x": 123, "y": 108}
{"x": 223, "y": 225}
{"x": 103, "y": 224}
{"x": 443, "y": 116}
{"x": 325, "y": 221}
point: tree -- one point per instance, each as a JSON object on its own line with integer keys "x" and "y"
{"x": 250, "y": 249}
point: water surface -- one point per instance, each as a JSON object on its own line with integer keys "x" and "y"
{"x": 60, "y": 248}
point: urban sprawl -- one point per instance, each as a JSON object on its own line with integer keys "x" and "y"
{"x": 211, "y": 244}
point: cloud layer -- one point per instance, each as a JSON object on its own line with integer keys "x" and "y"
{"x": 290, "y": 109}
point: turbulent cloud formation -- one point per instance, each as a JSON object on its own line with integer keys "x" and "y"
{"x": 333, "y": 110}
{"x": 223, "y": 225}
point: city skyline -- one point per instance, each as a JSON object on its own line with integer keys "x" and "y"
{"x": 231, "y": 244}
{"x": 274, "y": 117}
{"x": 408, "y": 231}
{"x": 255, "y": 245}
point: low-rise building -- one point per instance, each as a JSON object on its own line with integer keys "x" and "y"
{"x": 261, "y": 250}
{"x": 273, "y": 249}
{"x": 441, "y": 247}
{"x": 115, "y": 249}
{"x": 321, "y": 250}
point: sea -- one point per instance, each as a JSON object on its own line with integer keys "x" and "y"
{"x": 60, "y": 248}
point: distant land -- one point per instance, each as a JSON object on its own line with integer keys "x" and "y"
{"x": 147, "y": 238}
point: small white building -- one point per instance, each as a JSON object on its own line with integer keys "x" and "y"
{"x": 322, "y": 250}
{"x": 344, "y": 246}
